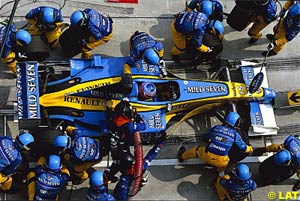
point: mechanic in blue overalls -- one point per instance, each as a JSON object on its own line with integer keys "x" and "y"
{"x": 96, "y": 27}
{"x": 125, "y": 122}
{"x": 97, "y": 190}
{"x": 265, "y": 13}
{"x": 46, "y": 22}
{"x": 11, "y": 158}
{"x": 16, "y": 38}
{"x": 79, "y": 153}
{"x": 236, "y": 185}
{"x": 47, "y": 179}
{"x": 286, "y": 29}
{"x": 188, "y": 26}
{"x": 220, "y": 139}
{"x": 291, "y": 144}
{"x": 212, "y": 8}
{"x": 143, "y": 46}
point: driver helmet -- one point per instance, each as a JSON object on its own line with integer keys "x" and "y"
{"x": 78, "y": 18}
{"x": 150, "y": 56}
{"x": 96, "y": 180}
{"x": 48, "y": 15}
{"x": 24, "y": 141}
{"x": 232, "y": 119}
{"x": 147, "y": 90}
{"x": 23, "y": 37}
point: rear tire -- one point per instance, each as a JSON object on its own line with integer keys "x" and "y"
{"x": 44, "y": 141}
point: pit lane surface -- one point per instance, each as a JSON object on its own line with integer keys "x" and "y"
{"x": 174, "y": 182}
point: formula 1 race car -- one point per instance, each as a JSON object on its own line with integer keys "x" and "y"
{"x": 86, "y": 95}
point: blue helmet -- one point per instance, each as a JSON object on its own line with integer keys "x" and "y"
{"x": 206, "y": 7}
{"x": 78, "y": 18}
{"x": 242, "y": 172}
{"x": 217, "y": 25}
{"x": 48, "y": 15}
{"x": 147, "y": 90}
{"x": 150, "y": 56}
{"x": 23, "y": 141}
{"x": 232, "y": 119}
{"x": 294, "y": 10}
{"x": 63, "y": 141}
{"x": 23, "y": 37}
{"x": 54, "y": 162}
{"x": 282, "y": 157}
{"x": 96, "y": 180}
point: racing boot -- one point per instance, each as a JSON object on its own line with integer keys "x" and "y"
{"x": 126, "y": 82}
{"x": 296, "y": 186}
{"x": 252, "y": 40}
{"x": 180, "y": 152}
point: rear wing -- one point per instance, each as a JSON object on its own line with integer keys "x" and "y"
{"x": 27, "y": 81}
{"x": 262, "y": 115}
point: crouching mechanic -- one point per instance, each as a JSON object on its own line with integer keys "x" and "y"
{"x": 16, "y": 38}
{"x": 97, "y": 190}
{"x": 96, "y": 28}
{"x": 143, "y": 46}
{"x": 290, "y": 144}
{"x": 11, "y": 158}
{"x": 45, "y": 21}
{"x": 79, "y": 153}
{"x": 188, "y": 26}
{"x": 236, "y": 185}
{"x": 220, "y": 139}
{"x": 47, "y": 179}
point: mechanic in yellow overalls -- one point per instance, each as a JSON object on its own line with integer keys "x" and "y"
{"x": 15, "y": 38}
{"x": 220, "y": 140}
{"x": 45, "y": 21}
{"x": 79, "y": 153}
{"x": 286, "y": 30}
{"x": 96, "y": 27}
{"x": 265, "y": 13}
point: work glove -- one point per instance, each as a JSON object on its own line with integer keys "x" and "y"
{"x": 114, "y": 140}
{"x": 282, "y": 13}
{"x": 210, "y": 49}
{"x": 162, "y": 68}
{"x": 22, "y": 55}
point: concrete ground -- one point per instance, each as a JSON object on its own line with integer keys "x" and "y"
{"x": 168, "y": 179}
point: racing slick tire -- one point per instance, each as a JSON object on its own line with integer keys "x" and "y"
{"x": 37, "y": 50}
{"x": 44, "y": 141}
{"x": 71, "y": 41}
{"x": 239, "y": 17}
{"x": 271, "y": 173}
